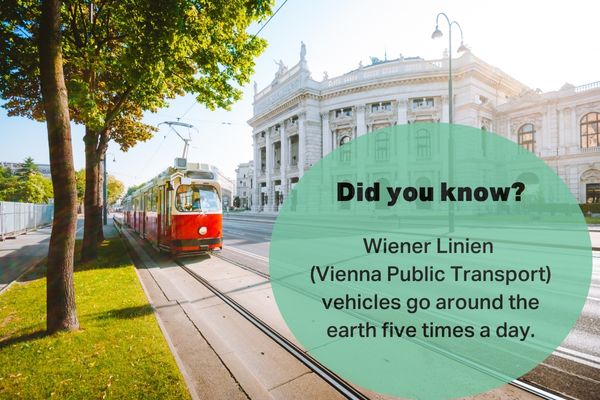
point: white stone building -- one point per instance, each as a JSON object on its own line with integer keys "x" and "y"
{"x": 244, "y": 182}
{"x": 298, "y": 120}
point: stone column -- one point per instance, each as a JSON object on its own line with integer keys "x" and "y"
{"x": 575, "y": 131}
{"x": 302, "y": 144}
{"x": 326, "y": 134}
{"x": 269, "y": 169}
{"x": 255, "y": 193}
{"x": 402, "y": 112}
{"x": 284, "y": 160}
{"x": 445, "y": 109}
{"x": 361, "y": 127}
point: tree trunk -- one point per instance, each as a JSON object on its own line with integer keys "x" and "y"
{"x": 60, "y": 294}
{"x": 101, "y": 166}
{"x": 92, "y": 223}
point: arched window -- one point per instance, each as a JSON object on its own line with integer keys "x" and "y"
{"x": 345, "y": 150}
{"x": 589, "y": 128}
{"x": 345, "y": 139}
{"x": 526, "y": 136}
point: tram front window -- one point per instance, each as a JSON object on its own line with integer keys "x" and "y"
{"x": 197, "y": 198}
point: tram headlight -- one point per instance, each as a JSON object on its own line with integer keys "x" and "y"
{"x": 202, "y": 230}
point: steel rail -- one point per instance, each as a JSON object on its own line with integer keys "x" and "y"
{"x": 328, "y": 376}
{"x": 331, "y": 378}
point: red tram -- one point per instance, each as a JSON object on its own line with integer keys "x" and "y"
{"x": 179, "y": 211}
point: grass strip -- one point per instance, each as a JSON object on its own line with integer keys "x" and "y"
{"x": 118, "y": 353}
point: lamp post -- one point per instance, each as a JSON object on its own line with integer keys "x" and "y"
{"x": 105, "y": 190}
{"x": 436, "y": 35}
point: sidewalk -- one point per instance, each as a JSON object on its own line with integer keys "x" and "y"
{"x": 22, "y": 253}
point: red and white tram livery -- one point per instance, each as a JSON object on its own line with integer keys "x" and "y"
{"x": 179, "y": 211}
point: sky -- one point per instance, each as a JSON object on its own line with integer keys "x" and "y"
{"x": 540, "y": 43}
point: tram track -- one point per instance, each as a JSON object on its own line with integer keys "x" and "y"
{"x": 520, "y": 384}
{"x": 332, "y": 379}
{"x": 339, "y": 384}
{"x": 343, "y": 387}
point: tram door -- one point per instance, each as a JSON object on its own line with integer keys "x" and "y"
{"x": 164, "y": 219}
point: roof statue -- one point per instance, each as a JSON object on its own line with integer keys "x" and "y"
{"x": 281, "y": 70}
{"x": 302, "y": 51}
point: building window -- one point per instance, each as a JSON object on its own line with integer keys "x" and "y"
{"x": 589, "y": 128}
{"x": 425, "y": 102}
{"x": 381, "y": 107}
{"x": 382, "y": 146}
{"x": 592, "y": 193}
{"x": 345, "y": 150}
{"x": 343, "y": 112}
{"x": 525, "y": 135}
{"x": 423, "y": 140}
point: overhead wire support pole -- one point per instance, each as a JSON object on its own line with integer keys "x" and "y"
{"x": 187, "y": 140}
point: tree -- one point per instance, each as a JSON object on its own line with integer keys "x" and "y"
{"x": 27, "y": 185}
{"x": 115, "y": 189}
{"x": 132, "y": 189}
{"x": 60, "y": 294}
{"x": 124, "y": 58}
{"x": 28, "y": 167}
{"x": 80, "y": 185}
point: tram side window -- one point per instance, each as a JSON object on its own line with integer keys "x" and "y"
{"x": 155, "y": 200}
{"x": 196, "y": 198}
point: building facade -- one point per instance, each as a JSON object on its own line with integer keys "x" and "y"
{"x": 244, "y": 183}
{"x": 298, "y": 120}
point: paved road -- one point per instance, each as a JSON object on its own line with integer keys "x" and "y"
{"x": 21, "y": 253}
{"x": 573, "y": 369}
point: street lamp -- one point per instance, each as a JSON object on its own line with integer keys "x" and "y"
{"x": 462, "y": 48}
{"x": 437, "y": 33}
{"x": 105, "y": 183}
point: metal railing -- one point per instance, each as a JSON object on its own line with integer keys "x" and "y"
{"x": 18, "y": 218}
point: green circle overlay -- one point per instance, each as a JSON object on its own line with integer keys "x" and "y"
{"x": 544, "y": 228}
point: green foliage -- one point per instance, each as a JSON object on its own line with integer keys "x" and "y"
{"x": 132, "y": 189}
{"x": 80, "y": 185}
{"x": 27, "y": 185}
{"x": 132, "y": 57}
{"x": 28, "y": 167}
{"x": 115, "y": 189}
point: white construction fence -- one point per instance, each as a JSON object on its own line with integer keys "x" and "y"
{"x": 18, "y": 218}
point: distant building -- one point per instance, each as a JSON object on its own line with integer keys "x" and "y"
{"x": 14, "y": 167}
{"x": 227, "y": 188}
{"x": 244, "y": 174}
{"x": 297, "y": 120}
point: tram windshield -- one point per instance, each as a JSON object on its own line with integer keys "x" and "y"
{"x": 197, "y": 198}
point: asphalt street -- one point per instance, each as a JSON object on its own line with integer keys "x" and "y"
{"x": 573, "y": 369}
